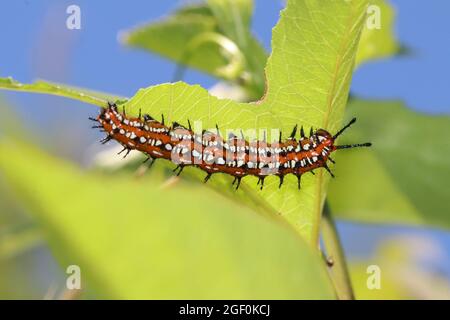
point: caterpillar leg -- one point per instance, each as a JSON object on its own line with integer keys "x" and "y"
{"x": 125, "y": 148}
{"x": 328, "y": 169}
{"x": 332, "y": 161}
{"x": 261, "y": 179}
{"x": 179, "y": 167}
{"x": 281, "y": 181}
{"x": 148, "y": 158}
{"x": 238, "y": 179}
{"x": 106, "y": 139}
{"x": 208, "y": 176}
{"x": 151, "y": 162}
{"x": 238, "y": 182}
{"x": 298, "y": 180}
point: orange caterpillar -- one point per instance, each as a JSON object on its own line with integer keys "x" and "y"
{"x": 212, "y": 154}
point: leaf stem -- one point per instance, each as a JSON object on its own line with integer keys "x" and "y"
{"x": 45, "y": 87}
{"x": 336, "y": 261}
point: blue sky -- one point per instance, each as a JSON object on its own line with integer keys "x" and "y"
{"x": 41, "y": 47}
{"x": 36, "y": 44}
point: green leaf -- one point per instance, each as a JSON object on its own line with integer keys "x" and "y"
{"x": 181, "y": 28}
{"x": 138, "y": 239}
{"x": 40, "y": 86}
{"x": 404, "y": 178}
{"x": 233, "y": 16}
{"x": 378, "y": 40}
{"x": 213, "y": 37}
{"x": 308, "y": 78}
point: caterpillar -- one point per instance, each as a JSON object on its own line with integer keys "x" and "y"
{"x": 212, "y": 154}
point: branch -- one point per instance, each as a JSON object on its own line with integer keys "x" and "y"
{"x": 335, "y": 257}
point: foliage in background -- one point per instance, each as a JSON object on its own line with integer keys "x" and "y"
{"x": 405, "y": 179}
{"x": 217, "y": 39}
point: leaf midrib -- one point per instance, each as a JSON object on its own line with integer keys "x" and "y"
{"x": 330, "y": 99}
